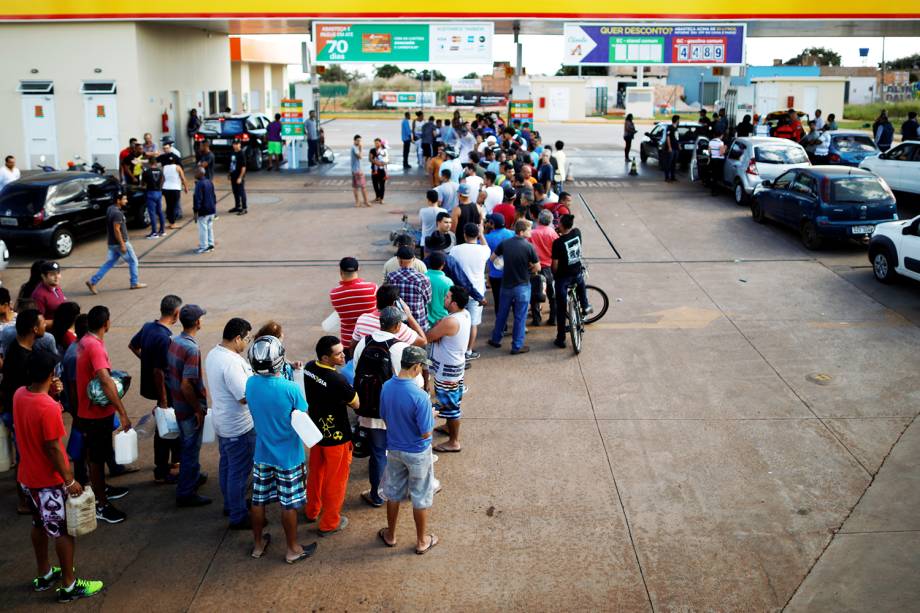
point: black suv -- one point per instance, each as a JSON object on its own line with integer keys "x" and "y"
{"x": 52, "y": 209}
{"x": 250, "y": 128}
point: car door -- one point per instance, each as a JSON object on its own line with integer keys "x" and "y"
{"x": 903, "y": 158}
{"x": 909, "y": 250}
{"x": 802, "y": 200}
{"x": 733, "y": 163}
{"x": 69, "y": 201}
{"x": 99, "y": 193}
{"x": 774, "y": 198}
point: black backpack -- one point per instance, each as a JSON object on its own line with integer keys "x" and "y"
{"x": 373, "y": 369}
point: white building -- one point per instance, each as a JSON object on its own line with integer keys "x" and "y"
{"x": 83, "y": 89}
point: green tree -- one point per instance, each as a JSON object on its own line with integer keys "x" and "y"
{"x": 816, "y": 56}
{"x": 472, "y": 75}
{"x": 387, "y": 71}
{"x": 911, "y": 62}
{"x": 429, "y": 75}
{"x": 587, "y": 71}
{"x": 336, "y": 74}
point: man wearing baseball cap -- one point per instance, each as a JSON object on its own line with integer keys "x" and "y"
{"x": 48, "y": 295}
{"x": 351, "y": 298}
{"x": 406, "y": 411}
{"x": 190, "y": 400}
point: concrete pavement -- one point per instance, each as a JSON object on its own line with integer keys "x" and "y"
{"x": 736, "y": 433}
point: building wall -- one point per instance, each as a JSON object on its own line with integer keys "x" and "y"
{"x": 150, "y": 64}
{"x": 772, "y": 95}
{"x": 862, "y": 90}
{"x": 77, "y": 51}
{"x": 550, "y": 89}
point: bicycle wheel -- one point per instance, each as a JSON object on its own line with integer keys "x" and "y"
{"x": 575, "y": 323}
{"x": 598, "y": 300}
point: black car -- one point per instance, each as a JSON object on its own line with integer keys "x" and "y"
{"x": 251, "y": 129}
{"x": 52, "y": 209}
{"x": 687, "y": 133}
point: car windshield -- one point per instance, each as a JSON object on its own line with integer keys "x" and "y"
{"x": 857, "y": 189}
{"x": 686, "y": 132}
{"x": 18, "y": 200}
{"x": 226, "y": 126}
{"x": 855, "y": 144}
{"x": 779, "y": 154}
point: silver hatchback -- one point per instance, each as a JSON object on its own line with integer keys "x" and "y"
{"x": 751, "y": 160}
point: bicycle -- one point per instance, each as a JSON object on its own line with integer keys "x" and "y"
{"x": 578, "y": 318}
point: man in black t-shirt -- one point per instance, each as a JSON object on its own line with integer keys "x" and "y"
{"x": 238, "y": 178}
{"x": 152, "y": 181}
{"x": 119, "y": 246}
{"x": 519, "y": 261}
{"x": 566, "y": 271}
{"x": 329, "y": 395}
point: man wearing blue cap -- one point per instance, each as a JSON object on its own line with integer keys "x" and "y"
{"x": 466, "y": 211}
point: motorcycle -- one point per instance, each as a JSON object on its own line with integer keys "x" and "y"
{"x": 78, "y": 164}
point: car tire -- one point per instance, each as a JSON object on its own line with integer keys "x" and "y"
{"x": 62, "y": 243}
{"x": 738, "y": 193}
{"x": 256, "y": 160}
{"x": 808, "y": 232}
{"x": 757, "y": 212}
{"x": 643, "y": 156}
{"x": 883, "y": 264}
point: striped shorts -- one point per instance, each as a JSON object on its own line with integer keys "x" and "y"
{"x": 270, "y": 484}
{"x": 449, "y": 395}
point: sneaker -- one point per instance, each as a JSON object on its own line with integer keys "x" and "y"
{"x": 436, "y": 485}
{"x": 161, "y": 234}
{"x": 113, "y": 492}
{"x": 152, "y": 236}
{"x": 92, "y": 288}
{"x": 110, "y": 514}
{"x": 473, "y": 355}
{"x": 210, "y": 247}
{"x": 492, "y": 343}
{"x": 342, "y": 523}
{"x": 81, "y": 588}
{"x": 559, "y": 343}
{"x": 41, "y": 584}
{"x": 589, "y": 310}
{"x": 200, "y": 250}
{"x": 243, "y": 212}
{"x": 193, "y": 501}
{"x": 235, "y": 209}
{"x": 523, "y": 349}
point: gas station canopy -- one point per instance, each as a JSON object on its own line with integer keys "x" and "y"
{"x": 841, "y": 18}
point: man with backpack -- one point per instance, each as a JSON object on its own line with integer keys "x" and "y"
{"x": 377, "y": 359}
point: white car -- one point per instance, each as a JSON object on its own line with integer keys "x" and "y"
{"x": 899, "y": 166}
{"x": 753, "y": 159}
{"x": 4, "y": 256}
{"x": 895, "y": 250}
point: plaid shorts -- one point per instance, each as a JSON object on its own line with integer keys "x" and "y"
{"x": 270, "y": 484}
{"x": 449, "y": 395}
{"x": 48, "y": 509}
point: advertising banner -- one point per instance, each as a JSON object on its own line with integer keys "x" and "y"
{"x": 383, "y": 43}
{"x": 521, "y": 109}
{"x": 394, "y": 100}
{"x": 650, "y": 44}
{"x": 476, "y": 99}
{"x": 291, "y": 118}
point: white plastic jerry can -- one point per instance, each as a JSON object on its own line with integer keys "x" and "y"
{"x": 126, "y": 447}
{"x": 80, "y": 513}
{"x": 207, "y": 429}
{"x": 6, "y": 448}
{"x": 305, "y": 428}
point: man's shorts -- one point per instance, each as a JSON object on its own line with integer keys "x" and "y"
{"x": 449, "y": 396}
{"x": 409, "y": 476}
{"x": 427, "y": 150}
{"x": 274, "y": 147}
{"x": 270, "y": 484}
{"x": 475, "y": 310}
{"x": 358, "y": 179}
{"x": 97, "y": 438}
{"x": 48, "y": 509}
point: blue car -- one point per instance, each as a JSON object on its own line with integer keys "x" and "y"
{"x": 846, "y": 148}
{"x": 825, "y": 202}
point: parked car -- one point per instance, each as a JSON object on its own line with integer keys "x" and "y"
{"x": 900, "y": 167}
{"x": 4, "y": 256}
{"x": 686, "y": 136}
{"x": 825, "y": 202}
{"x": 847, "y": 148}
{"x": 895, "y": 250}
{"x": 753, "y": 159}
{"x": 53, "y": 209}
{"x": 249, "y": 128}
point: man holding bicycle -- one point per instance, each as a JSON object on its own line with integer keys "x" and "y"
{"x": 567, "y": 270}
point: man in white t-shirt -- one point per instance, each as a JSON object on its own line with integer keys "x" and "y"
{"x": 428, "y": 215}
{"x": 472, "y": 256}
{"x": 390, "y": 319}
{"x": 227, "y": 373}
{"x": 473, "y": 180}
{"x": 448, "y": 196}
{"x": 490, "y": 195}
{"x": 409, "y": 330}
{"x": 8, "y": 172}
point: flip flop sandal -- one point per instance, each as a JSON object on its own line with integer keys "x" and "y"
{"x": 308, "y": 550}
{"x": 384, "y": 539}
{"x": 434, "y": 541}
{"x": 443, "y": 449}
{"x": 266, "y": 541}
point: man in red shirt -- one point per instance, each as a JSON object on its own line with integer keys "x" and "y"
{"x": 506, "y": 208}
{"x": 351, "y": 298}
{"x": 48, "y": 295}
{"x": 558, "y": 209}
{"x": 542, "y": 238}
{"x": 97, "y": 422}
{"x": 47, "y": 477}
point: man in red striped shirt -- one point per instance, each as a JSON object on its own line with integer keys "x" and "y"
{"x": 351, "y": 298}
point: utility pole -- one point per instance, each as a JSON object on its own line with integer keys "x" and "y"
{"x": 882, "y": 87}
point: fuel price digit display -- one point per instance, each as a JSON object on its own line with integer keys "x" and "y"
{"x": 699, "y": 50}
